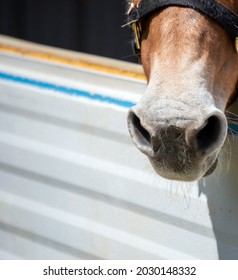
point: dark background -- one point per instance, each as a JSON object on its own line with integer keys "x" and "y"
{"x": 91, "y": 26}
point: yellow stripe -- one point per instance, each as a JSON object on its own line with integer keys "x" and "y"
{"x": 77, "y": 63}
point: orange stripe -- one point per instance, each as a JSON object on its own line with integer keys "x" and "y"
{"x": 68, "y": 61}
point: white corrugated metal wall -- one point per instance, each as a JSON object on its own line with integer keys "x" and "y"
{"x": 73, "y": 186}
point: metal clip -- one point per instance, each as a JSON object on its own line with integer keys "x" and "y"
{"x": 136, "y": 27}
{"x": 236, "y": 44}
{"x": 131, "y": 7}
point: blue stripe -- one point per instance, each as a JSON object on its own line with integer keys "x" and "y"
{"x": 233, "y": 128}
{"x": 66, "y": 90}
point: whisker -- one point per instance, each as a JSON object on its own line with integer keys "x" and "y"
{"x": 231, "y": 113}
{"x": 231, "y": 117}
{"x": 129, "y": 56}
{"x": 232, "y": 131}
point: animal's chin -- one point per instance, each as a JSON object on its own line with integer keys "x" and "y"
{"x": 186, "y": 173}
{"x": 212, "y": 168}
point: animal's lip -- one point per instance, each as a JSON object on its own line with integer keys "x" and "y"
{"x": 171, "y": 173}
{"x": 178, "y": 174}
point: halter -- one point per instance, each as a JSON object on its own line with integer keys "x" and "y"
{"x": 223, "y": 16}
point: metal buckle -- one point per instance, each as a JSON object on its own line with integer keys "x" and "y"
{"x": 131, "y": 7}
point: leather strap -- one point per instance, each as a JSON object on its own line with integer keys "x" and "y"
{"x": 223, "y": 16}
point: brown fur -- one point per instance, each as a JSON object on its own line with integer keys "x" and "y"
{"x": 199, "y": 38}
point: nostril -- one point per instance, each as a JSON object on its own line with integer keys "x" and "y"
{"x": 138, "y": 132}
{"x": 210, "y": 135}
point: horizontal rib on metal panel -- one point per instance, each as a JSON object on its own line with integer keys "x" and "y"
{"x": 72, "y": 185}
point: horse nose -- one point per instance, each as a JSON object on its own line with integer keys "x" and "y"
{"x": 203, "y": 138}
{"x": 209, "y": 136}
{"x": 139, "y": 134}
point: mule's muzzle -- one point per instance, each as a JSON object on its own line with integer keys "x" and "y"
{"x": 180, "y": 149}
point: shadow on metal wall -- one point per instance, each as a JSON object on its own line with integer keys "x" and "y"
{"x": 222, "y": 200}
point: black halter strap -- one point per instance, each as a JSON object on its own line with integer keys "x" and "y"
{"x": 223, "y": 16}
